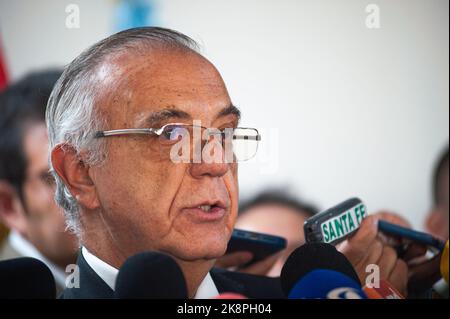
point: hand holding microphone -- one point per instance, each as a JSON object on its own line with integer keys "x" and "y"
{"x": 366, "y": 248}
{"x": 356, "y": 234}
{"x": 384, "y": 239}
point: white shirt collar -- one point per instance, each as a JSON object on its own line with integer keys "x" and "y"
{"x": 26, "y": 249}
{"x": 207, "y": 288}
{"x": 108, "y": 274}
{"x": 105, "y": 271}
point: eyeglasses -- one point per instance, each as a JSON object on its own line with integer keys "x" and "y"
{"x": 240, "y": 144}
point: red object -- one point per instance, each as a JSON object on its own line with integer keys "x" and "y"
{"x": 3, "y": 73}
{"x": 385, "y": 291}
{"x": 230, "y": 295}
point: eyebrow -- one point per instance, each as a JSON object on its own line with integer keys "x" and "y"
{"x": 156, "y": 118}
{"x": 229, "y": 110}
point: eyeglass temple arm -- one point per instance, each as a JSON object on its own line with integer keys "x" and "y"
{"x": 125, "y": 132}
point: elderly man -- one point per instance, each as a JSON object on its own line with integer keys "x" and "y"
{"x": 114, "y": 118}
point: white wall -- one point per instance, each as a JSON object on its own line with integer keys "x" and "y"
{"x": 34, "y": 33}
{"x": 358, "y": 111}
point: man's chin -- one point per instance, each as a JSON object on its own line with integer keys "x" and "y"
{"x": 194, "y": 254}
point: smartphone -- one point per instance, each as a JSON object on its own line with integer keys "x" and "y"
{"x": 261, "y": 245}
{"x": 412, "y": 235}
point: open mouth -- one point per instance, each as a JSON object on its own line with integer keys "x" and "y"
{"x": 207, "y": 211}
{"x": 208, "y": 208}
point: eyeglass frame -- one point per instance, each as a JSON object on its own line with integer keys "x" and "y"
{"x": 159, "y": 131}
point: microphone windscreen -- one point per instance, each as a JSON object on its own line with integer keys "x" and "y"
{"x": 326, "y": 284}
{"x": 150, "y": 275}
{"x": 314, "y": 256}
{"x": 26, "y": 278}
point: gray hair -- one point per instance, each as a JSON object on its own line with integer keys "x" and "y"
{"x": 71, "y": 115}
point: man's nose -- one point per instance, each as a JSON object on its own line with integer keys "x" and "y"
{"x": 202, "y": 169}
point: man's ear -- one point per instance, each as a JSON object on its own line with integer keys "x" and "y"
{"x": 436, "y": 223}
{"x": 12, "y": 214}
{"x": 75, "y": 173}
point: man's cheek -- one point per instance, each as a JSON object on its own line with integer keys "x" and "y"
{"x": 166, "y": 184}
{"x": 231, "y": 183}
{"x": 234, "y": 170}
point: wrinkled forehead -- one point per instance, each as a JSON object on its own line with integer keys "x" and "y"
{"x": 136, "y": 86}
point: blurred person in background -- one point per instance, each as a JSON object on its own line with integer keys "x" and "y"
{"x": 3, "y": 233}
{"x": 437, "y": 220}
{"x": 27, "y": 207}
{"x": 272, "y": 212}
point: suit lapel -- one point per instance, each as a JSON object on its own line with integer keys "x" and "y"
{"x": 226, "y": 284}
{"x": 91, "y": 285}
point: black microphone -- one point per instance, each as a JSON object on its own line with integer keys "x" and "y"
{"x": 26, "y": 278}
{"x": 318, "y": 270}
{"x": 150, "y": 275}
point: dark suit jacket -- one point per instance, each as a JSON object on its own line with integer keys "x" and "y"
{"x": 251, "y": 286}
